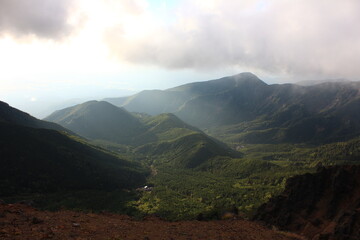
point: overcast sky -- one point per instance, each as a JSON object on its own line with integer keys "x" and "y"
{"x": 55, "y": 50}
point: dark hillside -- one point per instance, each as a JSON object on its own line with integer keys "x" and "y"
{"x": 323, "y": 205}
{"x": 41, "y": 160}
{"x": 12, "y": 115}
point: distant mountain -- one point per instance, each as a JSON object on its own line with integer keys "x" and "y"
{"x": 315, "y": 82}
{"x": 99, "y": 120}
{"x": 39, "y": 160}
{"x": 169, "y": 101}
{"x": 242, "y": 108}
{"x": 323, "y": 205}
{"x": 163, "y": 137}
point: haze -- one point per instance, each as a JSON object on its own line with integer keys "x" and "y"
{"x": 61, "y": 52}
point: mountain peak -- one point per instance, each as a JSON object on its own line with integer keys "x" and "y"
{"x": 247, "y": 77}
{"x": 98, "y": 120}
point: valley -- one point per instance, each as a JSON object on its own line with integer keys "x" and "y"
{"x": 205, "y": 151}
{"x": 179, "y": 120}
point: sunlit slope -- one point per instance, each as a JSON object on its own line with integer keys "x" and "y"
{"x": 181, "y": 145}
{"x": 159, "y": 139}
{"x": 171, "y": 100}
{"x": 152, "y": 101}
{"x": 99, "y": 120}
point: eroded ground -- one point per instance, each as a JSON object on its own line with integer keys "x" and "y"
{"x": 24, "y": 222}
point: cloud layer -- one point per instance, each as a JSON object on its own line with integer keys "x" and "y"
{"x": 297, "y": 38}
{"x": 42, "y": 18}
{"x": 302, "y": 38}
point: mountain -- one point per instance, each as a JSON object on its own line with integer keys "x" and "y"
{"x": 155, "y": 102}
{"x": 177, "y": 144}
{"x": 99, "y": 120}
{"x": 323, "y": 205}
{"x": 315, "y": 82}
{"x": 12, "y": 115}
{"x": 39, "y": 160}
{"x": 160, "y": 139}
{"x": 242, "y": 108}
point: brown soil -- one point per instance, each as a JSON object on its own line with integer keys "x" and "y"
{"x": 24, "y": 222}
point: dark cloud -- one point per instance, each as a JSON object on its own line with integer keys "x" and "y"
{"x": 303, "y": 38}
{"x": 42, "y": 18}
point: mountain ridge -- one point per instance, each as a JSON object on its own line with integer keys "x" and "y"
{"x": 242, "y": 108}
{"x": 12, "y": 115}
{"x": 161, "y": 139}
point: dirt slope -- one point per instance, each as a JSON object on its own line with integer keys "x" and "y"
{"x": 23, "y": 222}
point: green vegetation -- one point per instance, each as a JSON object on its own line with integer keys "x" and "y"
{"x": 189, "y": 194}
{"x": 241, "y": 184}
{"x": 192, "y": 175}
{"x": 162, "y": 139}
{"x": 196, "y": 176}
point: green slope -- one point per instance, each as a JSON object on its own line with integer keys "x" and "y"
{"x": 242, "y": 184}
{"x": 160, "y": 139}
{"x": 99, "y": 120}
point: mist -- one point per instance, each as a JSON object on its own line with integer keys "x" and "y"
{"x": 298, "y": 39}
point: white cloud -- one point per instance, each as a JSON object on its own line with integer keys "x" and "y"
{"x": 298, "y": 38}
{"x": 41, "y": 18}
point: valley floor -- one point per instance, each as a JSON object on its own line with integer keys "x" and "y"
{"x": 24, "y": 222}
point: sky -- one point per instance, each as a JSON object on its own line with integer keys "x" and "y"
{"x": 55, "y": 53}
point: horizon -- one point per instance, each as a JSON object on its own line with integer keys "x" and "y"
{"x": 80, "y": 49}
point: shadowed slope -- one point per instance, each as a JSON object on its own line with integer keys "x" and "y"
{"x": 43, "y": 160}
{"x": 324, "y": 205}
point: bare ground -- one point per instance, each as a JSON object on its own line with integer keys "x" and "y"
{"x": 24, "y": 222}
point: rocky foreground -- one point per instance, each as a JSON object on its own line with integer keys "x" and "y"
{"x": 24, "y": 222}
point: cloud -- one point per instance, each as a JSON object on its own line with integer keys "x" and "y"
{"x": 298, "y": 38}
{"x": 42, "y": 18}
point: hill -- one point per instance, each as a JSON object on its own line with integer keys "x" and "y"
{"x": 42, "y": 161}
{"x": 323, "y": 205}
{"x": 99, "y": 120}
{"x": 12, "y": 115}
{"x": 162, "y": 139}
{"x": 242, "y": 108}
